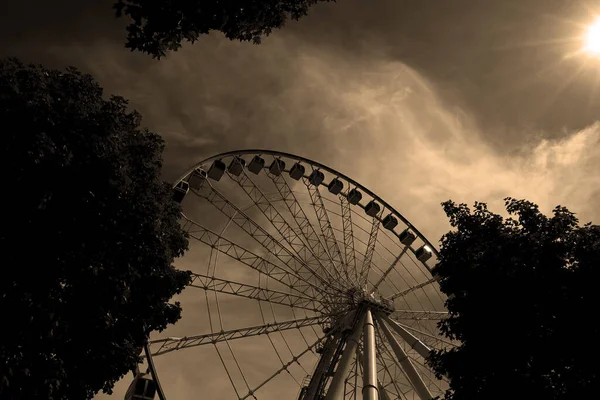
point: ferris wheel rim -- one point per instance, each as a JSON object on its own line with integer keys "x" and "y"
{"x": 325, "y": 167}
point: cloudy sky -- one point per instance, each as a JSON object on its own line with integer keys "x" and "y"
{"x": 421, "y": 101}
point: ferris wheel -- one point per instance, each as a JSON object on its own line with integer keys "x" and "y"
{"x": 306, "y": 285}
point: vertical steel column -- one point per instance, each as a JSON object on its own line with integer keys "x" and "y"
{"x": 322, "y": 366}
{"x": 382, "y": 392}
{"x": 370, "y": 389}
{"x": 412, "y": 374}
{"x": 336, "y": 388}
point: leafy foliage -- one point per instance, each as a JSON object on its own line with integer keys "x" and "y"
{"x": 522, "y": 301}
{"x": 160, "y": 26}
{"x": 88, "y": 238}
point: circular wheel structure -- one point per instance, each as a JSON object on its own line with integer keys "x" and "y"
{"x": 306, "y": 285}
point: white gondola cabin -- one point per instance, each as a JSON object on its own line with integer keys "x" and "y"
{"x": 316, "y": 177}
{"x": 256, "y": 165}
{"x": 180, "y": 190}
{"x": 297, "y": 171}
{"x": 423, "y": 253}
{"x": 236, "y": 166}
{"x": 354, "y": 197}
{"x": 277, "y": 167}
{"x": 335, "y": 186}
{"x": 197, "y": 179}
{"x": 372, "y": 208}
{"x": 407, "y": 237}
{"x": 389, "y": 222}
{"x": 216, "y": 171}
{"x": 142, "y": 388}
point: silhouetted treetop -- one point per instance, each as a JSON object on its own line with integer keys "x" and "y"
{"x": 522, "y": 295}
{"x": 88, "y": 238}
{"x": 158, "y": 27}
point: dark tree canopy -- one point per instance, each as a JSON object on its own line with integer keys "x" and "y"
{"x": 160, "y": 26}
{"x": 522, "y": 299}
{"x": 88, "y": 236}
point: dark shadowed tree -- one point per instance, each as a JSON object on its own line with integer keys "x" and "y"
{"x": 523, "y": 299}
{"x": 88, "y": 236}
{"x": 160, "y": 26}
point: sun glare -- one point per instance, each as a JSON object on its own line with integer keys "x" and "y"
{"x": 592, "y": 38}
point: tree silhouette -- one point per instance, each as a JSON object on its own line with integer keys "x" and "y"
{"x": 88, "y": 237}
{"x": 522, "y": 300}
{"x": 160, "y": 26}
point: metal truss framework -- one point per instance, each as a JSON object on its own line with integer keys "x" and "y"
{"x": 349, "y": 250}
{"x": 171, "y": 344}
{"x": 290, "y": 279}
{"x": 380, "y": 354}
{"x": 254, "y": 292}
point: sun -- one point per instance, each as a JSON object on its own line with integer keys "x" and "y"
{"x": 592, "y": 38}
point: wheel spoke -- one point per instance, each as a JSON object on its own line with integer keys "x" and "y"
{"x": 390, "y": 268}
{"x": 317, "y": 250}
{"x": 260, "y": 235}
{"x": 364, "y": 272}
{"x": 348, "y": 233}
{"x": 250, "y": 259}
{"x": 412, "y": 289}
{"x": 419, "y": 315}
{"x": 332, "y": 247}
{"x": 211, "y": 283}
{"x": 284, "y": 367}
{"x": 311, "y": 251}
{"x": 170, "y": 344}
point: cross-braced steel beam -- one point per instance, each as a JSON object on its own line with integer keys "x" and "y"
{"x": 366, "y": 267}
{"x": 349, "y": 250}
{"x": 412, "y": 289}
{"x": 390, "y": 268}
{"x": 332, "y": 247}
{"x": 312, "y": 251}
{"x": 266, "y": 240}
{"x": 253, "y": 292}
{"x": 167, "y": 345}
{"x": 252, "y": 260}
{"x": 419, "y": 315}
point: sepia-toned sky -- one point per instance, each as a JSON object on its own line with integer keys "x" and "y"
{"x": 420, "y": 101}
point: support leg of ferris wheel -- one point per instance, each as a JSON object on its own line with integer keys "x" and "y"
{"x": 383, "y": 395}
{"x": 336, "y": 388}
{"x": 328, "y": 356}
{"x": 406, "y": 365}
{"x": 408, "y": 337}
{"x": 370, "y": 387}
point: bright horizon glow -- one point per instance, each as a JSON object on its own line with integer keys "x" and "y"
{"x": 592, "y": 38}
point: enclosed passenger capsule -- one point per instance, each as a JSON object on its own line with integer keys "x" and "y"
{"x": 423, "y": 253}
{"x": 180, "y": 190}
{"x": 372, "y": 208}
{"x": 277, "y": 166}
{"x": 335, "y": 186}
{"x": 236, "y": 166}
{"x": 216, "y": 170}
{"x": 142, "y": 388}
{"x": 407, "y": 237}
{"x": 197, "y": 178}
{"x": 316, "y": 177}
{"x": 390, "y": 222}
{"x": 297, "y": 171}
{"x": 354, "y": 197}
{"x": 256, "y": 164}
